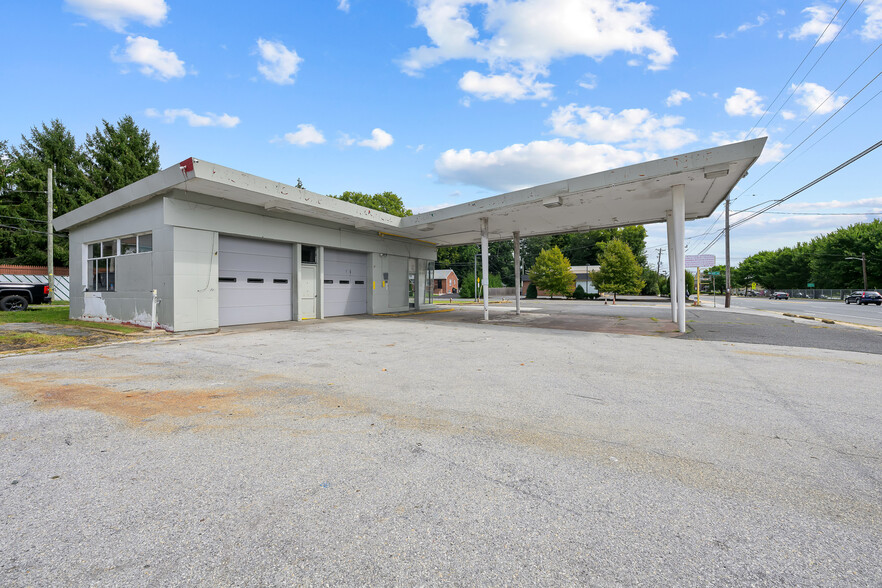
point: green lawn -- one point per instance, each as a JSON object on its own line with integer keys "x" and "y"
{"x": 57, "y": 315}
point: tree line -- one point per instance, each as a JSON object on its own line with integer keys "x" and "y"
{"x": 827, "y": 261}
{"x": 112, "y": 157}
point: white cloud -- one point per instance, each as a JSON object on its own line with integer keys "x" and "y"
{"x": 431, "y": 207}
{"x": 518, "y": 166}
{"x": 872, "y": 29}
{"x": 744, "y": 101}
{"x": 819, "y": 16}
{"x": 507, "y": 87}
{"x": 817, "y": 99}
{"x": 115, "y": 14}
{"x": 774, "y": 151}
{"x": 279, "y": 64}
{"x": 209, "y": 119}
{"x": 380, "y": 139}
{"x": 305, "y": 135}
{"x": 588, "y": 81}
{"x": 788, "y": 115}
{"x": 760, "y": 21}
{"x": 522, "y": 37}
{"x": 343, "y": 5}
{"x": 154, "y": 61}
{"x": 874, "y": 203}
{"x": 677, "y": 97}
{"x": 345, "y": 140}
{"x": 636, "y": 128}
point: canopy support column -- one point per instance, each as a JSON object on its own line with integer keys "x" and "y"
{"x": 485, "y": 265}
{"x": 672, "y": 267}
{"x": 517, "y": 266}
{"x": 678, "y": 197}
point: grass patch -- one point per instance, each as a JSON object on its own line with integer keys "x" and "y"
{"x": 58, "y": 315}
{"x": 653, "y": 319}
{"x": 10, "y": 342}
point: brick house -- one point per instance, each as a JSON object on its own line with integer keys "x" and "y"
{"x": 445, "y": 282}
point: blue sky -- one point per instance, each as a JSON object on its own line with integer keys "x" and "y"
{"x": 445, "y": 101}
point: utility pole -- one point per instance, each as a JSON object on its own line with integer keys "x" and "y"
{"x": 50, "y": 258}
{"x": 863, "y": 259}
{"x": 728, "y": 266}
{"x": 658, "y": 271}
{"x": 864, "y": 267}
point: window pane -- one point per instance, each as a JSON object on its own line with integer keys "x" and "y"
{"x": 108, "y": 248}
{"x": 100, "y": 275}
{"x": 145, "y": 243}
{"x": 90, "y": 280}
{"x": 307, "y": 254}
{"x": 128, "y": 245}
{"x": 111, "y": 275}
{"x": 95, "y": 250}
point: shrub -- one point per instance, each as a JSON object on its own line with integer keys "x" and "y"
{"x": 593, "y": 296}
{"x": 531, "y": 291}
{"x": 579, "y": 293}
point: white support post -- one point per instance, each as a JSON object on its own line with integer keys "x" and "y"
{"x": 672, "y": 267}
{"x": 517, "y": 265}
{"x": 678, "y": 196}
{"x": 485, "y": 265}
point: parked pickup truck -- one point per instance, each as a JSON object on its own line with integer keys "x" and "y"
{"x": 18, "y": 295}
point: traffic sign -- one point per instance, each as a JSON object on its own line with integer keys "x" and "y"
{"x": 810, "y": 286}
{"x": 713, "y": 273}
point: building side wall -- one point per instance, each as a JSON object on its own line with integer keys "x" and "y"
{"x": 136, "y": 274}
{"x": 195, "y": 279}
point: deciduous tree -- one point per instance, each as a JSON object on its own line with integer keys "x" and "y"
{"x": 551, "y": 272}
{"x": 619, "y": 271}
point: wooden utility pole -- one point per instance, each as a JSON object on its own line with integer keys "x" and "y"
{"x": 50, "y": 258}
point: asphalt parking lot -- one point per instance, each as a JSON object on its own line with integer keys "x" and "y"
{"x": 407, "y": 451}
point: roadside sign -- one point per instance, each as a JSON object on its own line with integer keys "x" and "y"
{"x": 701, "y": 260}
{"x": 810, "y": 286}
{"x": 714, "y": 273}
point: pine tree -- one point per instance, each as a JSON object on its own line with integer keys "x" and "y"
{"x": 120, "y": 155}
{"x": 23, "y": 240}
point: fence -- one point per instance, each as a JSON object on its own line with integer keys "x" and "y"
{"x": 31, "y": 270}
{"x": 62, "y": 283}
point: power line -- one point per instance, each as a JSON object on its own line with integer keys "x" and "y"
{"x": 818, "y": 40}
{"x": 795, "y": 192}
{"x": 818, "y": 60}
{"x": 837, "y": 111}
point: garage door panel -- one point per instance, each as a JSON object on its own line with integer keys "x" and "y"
{"x": 255, "y": 281}
{"x": 345, "y": 287}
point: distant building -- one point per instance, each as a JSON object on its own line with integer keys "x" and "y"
{"x": 446, "y": 282}
{"x": 582, "y": 279}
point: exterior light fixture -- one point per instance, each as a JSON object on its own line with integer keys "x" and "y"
{"x": 552, "y": 202}
{"x": 716, "y": 171}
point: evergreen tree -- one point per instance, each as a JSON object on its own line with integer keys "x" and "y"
{"x": 119, "y": 155}
{"x": 551, "y": 273}
{"x": 23, "y": 240}
{"x": 619, "y": 271}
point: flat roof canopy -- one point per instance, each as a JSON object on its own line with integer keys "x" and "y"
{"x": 632, "y": 195}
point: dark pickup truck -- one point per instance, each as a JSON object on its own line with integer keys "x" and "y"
{"x": 18, "y": 295}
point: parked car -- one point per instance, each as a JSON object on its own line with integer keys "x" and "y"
{"x": 864, "y": 297}
{"x": 18, "y": 295}
{"x": 779, "y": 296}
{"x": 751, "y": 293}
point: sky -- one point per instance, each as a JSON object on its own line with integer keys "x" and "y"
{"x": 447, "y": 101}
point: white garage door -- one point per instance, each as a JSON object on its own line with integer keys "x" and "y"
{"x": 345, "y": 287}
{"x": 254, "y": 281}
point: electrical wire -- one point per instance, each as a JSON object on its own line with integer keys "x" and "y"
{"x": 778, "y": 95}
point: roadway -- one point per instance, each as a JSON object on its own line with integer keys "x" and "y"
{"x": 836, "y": 310}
